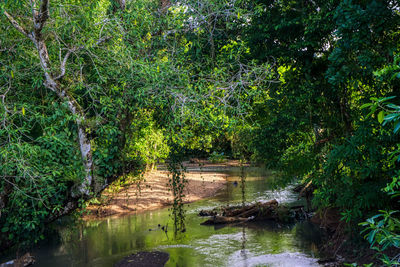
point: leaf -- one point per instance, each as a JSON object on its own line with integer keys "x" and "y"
{"x": 23, "y": 111}
{"x": 390, "y": 117}
{"x": 396, "y": 127}
{"x": 381, "y": 115}
{"x": 366, "y": 105}
{"x": 371, "y": 237}
{"x": 386, "y": 98}
{"x": 392, "y": 106}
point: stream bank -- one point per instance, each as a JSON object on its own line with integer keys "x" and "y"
{"x": 106, "y": 241}
{"x": 204, "y": 180}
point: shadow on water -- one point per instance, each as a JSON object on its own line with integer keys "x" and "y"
{"x": 105, "y": 242}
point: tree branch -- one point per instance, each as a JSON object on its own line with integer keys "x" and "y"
{"x": 16, "y": 25}
{"x": 102, "y": 40}
{"x": 42, "y": 16}
{"x": 63, "y": 64}
{"x": 122, "y": 4}
{"x": 73, "y": 50}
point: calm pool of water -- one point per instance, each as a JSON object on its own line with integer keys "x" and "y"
{"x": 105, "y": 242}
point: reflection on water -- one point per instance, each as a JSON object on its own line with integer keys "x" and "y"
{"x": 104, "y": 242}
{"x": 281, "y": 260}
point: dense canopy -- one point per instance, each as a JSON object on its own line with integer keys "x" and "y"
{"x": 92, "y": 91}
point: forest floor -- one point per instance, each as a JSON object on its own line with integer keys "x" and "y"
{"x": 204, "y": 180}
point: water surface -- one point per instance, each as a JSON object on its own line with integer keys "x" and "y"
{"x": 105, "y": 242}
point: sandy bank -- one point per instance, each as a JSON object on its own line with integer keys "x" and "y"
{"x": 154, "y": 193}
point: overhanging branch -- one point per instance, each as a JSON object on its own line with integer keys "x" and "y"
{"x": 73, "y": 50}
{"x": 16, "y": 25}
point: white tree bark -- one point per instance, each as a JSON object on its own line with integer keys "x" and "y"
{"x": 40, "y": 17}
{"x": 122, "y": 3}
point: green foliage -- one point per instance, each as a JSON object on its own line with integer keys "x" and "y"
{"x": 177, "y": 182}
{"x": 279, "y": 82}
{"x": 298, "y": 160}
{"x": 216, "y": 157}
{"x": 37, "y": 169}
{"x": 115, "y": 83}
{"x": 310, "y": 124}
{"x": 145, "y": 143}
{"x": 354, "y": 173}
{"x": 383, "y": 230}
{"x": 383, "y": 233}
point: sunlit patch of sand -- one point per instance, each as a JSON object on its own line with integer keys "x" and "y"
{"x": 154, "y": 193}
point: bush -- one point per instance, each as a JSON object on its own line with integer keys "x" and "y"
{"x": 216, "y": 157}
{"x": 355, "y": 172}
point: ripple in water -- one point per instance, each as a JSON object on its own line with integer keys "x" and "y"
{"x": 282, "y": 260}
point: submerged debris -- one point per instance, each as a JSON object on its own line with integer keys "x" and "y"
{"x": 270, "y": 210}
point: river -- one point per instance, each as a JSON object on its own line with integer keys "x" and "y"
{"x": 105, "y": 242}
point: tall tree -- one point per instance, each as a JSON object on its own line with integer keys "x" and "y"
{"x": 54, "y": 81}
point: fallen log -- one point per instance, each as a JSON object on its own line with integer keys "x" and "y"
{"x": 235, "y": 211}
{"x": 223, "y": 211}
{"x": 267, "y": 209}
{"x": 251, "y": 212}
{"x": 240, "y": 211}
{"x": 235, "y": 214}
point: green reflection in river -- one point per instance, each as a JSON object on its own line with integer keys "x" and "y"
{"x": 104, "y": 242}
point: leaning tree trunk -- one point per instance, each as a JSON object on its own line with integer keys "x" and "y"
{"x": 84, "y": 141}
{"x": 52, "y": 83}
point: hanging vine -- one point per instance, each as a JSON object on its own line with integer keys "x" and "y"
{"x": 177, "y": 182}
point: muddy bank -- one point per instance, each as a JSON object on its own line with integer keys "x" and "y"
{"x": 341, "y": 245}
{"x": 203, "y": 180}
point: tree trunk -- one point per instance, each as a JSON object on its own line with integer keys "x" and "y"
{"x": 40, "y": 17}
{"x": 75, "y": 108}
{"x": 165, "y": 4}
{"x": 122, "y": 4}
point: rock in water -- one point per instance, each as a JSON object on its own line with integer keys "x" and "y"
{"x": 144, "y": 259}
